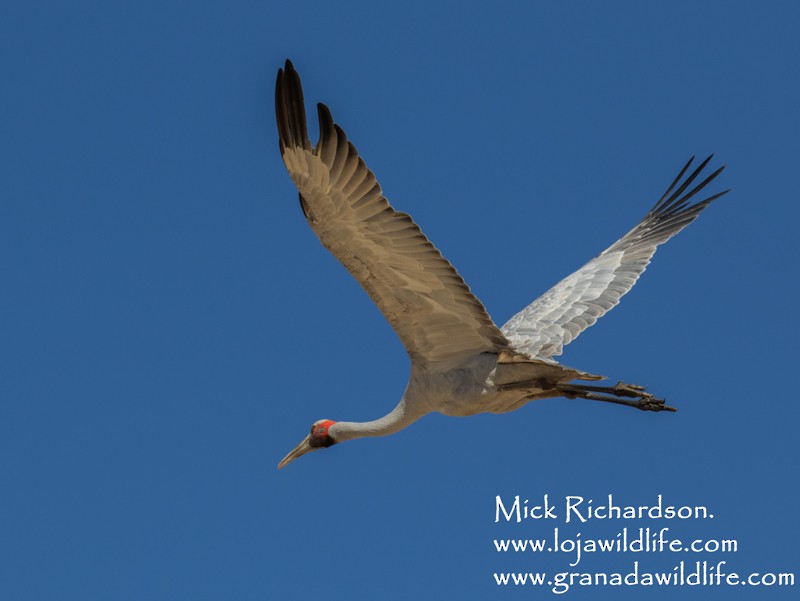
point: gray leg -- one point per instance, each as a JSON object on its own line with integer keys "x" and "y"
{"x": 618, "y": 394}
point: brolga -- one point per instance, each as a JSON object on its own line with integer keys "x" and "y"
{"x": 461, "y": 362}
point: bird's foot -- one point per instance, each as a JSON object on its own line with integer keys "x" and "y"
{"x": 646, "y": 402}
{"x": 630, "y": 390}
{"x": 650, "y": 403}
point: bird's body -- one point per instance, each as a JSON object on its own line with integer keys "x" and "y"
{"x": 464, "y": 389}
{"x": 487, "y": 383}
{"x": 461, "y": 362}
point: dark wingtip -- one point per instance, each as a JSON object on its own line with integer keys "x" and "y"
{"x": 675, "y": 201}
{"x": 280, "y": 109}
{"x": 323, "y": 112}
{"x": 289, "y": 109}
{"x": 717, "y": 195}
{"x": 663, "y": 200}
{"x": 326, "y": 147}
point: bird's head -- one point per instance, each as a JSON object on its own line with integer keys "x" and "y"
{"x": 319, "y": 438}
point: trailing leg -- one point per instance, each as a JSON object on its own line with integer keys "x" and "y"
{"x": 620, "y": 394}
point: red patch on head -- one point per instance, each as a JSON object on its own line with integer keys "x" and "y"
{"x": 321, "y": 428}
{"x": 319, "y": 436}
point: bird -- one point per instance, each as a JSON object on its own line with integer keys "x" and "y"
{"x": 462, "y": 363}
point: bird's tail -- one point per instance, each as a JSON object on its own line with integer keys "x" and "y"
{"x": 514, "y": 367}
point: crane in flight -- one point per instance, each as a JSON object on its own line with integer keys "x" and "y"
{"x": 461, "y": 362}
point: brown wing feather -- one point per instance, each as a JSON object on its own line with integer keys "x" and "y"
{"x": 418, "y": 291}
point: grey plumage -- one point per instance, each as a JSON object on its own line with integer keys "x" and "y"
{"x": 461, "y": 362}
{"x": 558, "y": 316}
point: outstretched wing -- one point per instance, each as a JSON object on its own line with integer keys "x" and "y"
{"x": 558, "y": 316}
{"x": 421, "y": 295}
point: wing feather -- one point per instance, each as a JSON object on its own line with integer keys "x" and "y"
{"x": 558, "y": 316}
{"x": 418, "y": 291}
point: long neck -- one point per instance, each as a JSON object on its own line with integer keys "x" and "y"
{"x": 401, "y": 416}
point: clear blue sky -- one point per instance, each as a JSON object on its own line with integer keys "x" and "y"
{"x": 170, "y": 326}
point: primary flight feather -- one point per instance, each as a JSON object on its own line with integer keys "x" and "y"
{"x": 461, "y": 362}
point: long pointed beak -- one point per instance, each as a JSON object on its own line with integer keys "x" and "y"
{"x": 301, "y": 449}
